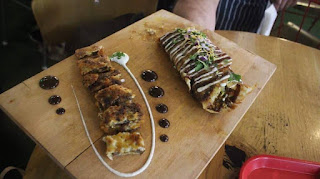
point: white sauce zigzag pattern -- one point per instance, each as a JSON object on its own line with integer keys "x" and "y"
{"x": 180, "y": 48}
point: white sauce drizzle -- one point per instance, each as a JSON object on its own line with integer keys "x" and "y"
{"x": 177, "y": 40}
{"x": 123, "y": 61}
{"x": 183, "y": 54}
{"x": 175, "y": 50}
{"x": 228, "y": 64}
{"x": 184, "y": 66}
{"x": 223, "y": 84}
{"x": 164, "y": 36}
{"x": 212, "y": 83}
{"x": 191, "y": 71}
{"x": 172, "y": 35}
{"x": 179, "y": 52}
{"x": 221, "y": 57}
{"x": 206, "y": 74}
{"x": 205, "y": 78}
{"x": 166, "y": 48}
{"x": 192, "y": 75}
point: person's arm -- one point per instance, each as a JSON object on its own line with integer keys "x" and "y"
{"x": 202, "y": 12}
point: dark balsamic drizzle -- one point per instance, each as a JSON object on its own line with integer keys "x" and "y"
{"x": 162, "y": 108}
{"x": 54, "y": 99}
{"x": 60, "y": 111}
{"x": 164, "y": 123}
{"x": 164, "y": 138}
{"x": 49, "y": 82}
{"x": 156, "y": 91}
{"x": 149, "y": 76}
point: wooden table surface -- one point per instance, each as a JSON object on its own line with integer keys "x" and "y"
{"x": 283, "y": 121}
{"x": 285, "y": 118}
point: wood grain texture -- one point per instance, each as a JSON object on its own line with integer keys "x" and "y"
{"x": 285, "y": 118}
{"x": 62, "y": 136}
{"x": 195, "y": 135}
{"x": 41, "y": 166}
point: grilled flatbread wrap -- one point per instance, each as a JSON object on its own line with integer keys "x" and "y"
{"x": 205, "y": 68}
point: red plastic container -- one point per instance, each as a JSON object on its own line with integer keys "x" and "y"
{"x": 273, "y": 167}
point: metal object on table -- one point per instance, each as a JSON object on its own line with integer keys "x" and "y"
{"x": 306, "y": 37}
{"x": 311, "y": 4}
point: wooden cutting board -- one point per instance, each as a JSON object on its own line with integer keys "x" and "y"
{"x": 194, "y": 134}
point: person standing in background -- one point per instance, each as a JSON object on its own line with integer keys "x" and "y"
{"x": 240, "y": 15}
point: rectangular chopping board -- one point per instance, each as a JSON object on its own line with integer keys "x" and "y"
{"x": 194, "y": 134}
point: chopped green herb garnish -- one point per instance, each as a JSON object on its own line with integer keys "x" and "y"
{"x": 198, "y": 67}
{"x": 200, "y": 64}
{"x": 204, "y": 57}
{"x": 204, "y": 64}
{"x": 203, "y": 34}
{"x": 174, "y": 41}
{"x": 234, "y": 77}
{"x": 181, "y": 30}
{"x": 194, "y": 56}
{"x": 117, "y": 54}
{"x": 199, "y": 33}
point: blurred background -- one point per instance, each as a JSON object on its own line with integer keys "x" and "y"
{"x": 25, "y": 51}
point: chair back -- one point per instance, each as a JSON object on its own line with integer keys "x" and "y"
{"x": 58, "y": 19}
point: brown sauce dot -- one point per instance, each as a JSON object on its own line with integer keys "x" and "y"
{"x": 156, "y": 91}
{"x": 60, "y": 111}
{"x": 162, "y": 108}
{"x": 164, "y": 123}
{"x": 164, "y": 138}
{"x": 54, "y": 99}
{"x": 149, "y": 75}
{"x": 48, "y": 82}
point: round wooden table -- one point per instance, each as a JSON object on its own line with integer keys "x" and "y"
{"x": 284, "y": 120}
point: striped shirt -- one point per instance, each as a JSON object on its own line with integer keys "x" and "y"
{"x": 240, "y": 15}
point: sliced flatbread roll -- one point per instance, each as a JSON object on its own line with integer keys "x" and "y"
{"x": 113, "y": 95}
{"x": 89, "y": 51}
{"x": 125, "y": 113}
{"x": 123, "y": 118}
{"x": 126, "y": 127}
{"x": 94, "y": 65}
{"x": 123, "y": 143}
{"x": 119, "y": 115}
{"x": 97, "y": 81}
{"x": 205, "y": 68}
